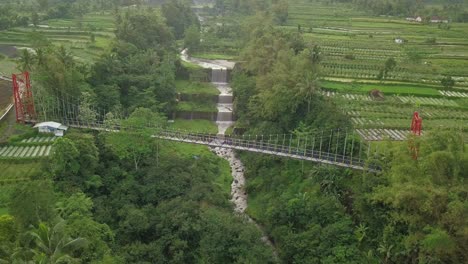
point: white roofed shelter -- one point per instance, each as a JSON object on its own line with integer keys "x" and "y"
{"x": 51, "y": 127}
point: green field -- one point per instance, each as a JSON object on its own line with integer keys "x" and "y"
{"x": 355, "y": 45}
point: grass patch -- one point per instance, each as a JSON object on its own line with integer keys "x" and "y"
{"x": 191, "y": 66}
{"x": 7, "y": 66}
{"x": 196, "y": 125}
{"x": 385, "y": 88}
{"x": 225, "y": 178}
{"x": 196, "y": 107}
{"x": 229, "y": 130}
{"x": 188, "y": 87}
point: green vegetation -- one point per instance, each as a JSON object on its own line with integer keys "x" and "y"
{"x": 190, "y": 106}
{"x": 224, "y": 178}
{"x": 302, "y": 206}
{"x": 124, "y": 197}
{"x": 130, "y": 197}
{"x": 198, "y": 125}
{"x": 355, "y": 45}
{"x": 191, "y": 66}
{"x": 86, "y": 37}
{"x": 3, "y": 211}
{"x": 188, "y": 87}
{"x": 13, "y": 171}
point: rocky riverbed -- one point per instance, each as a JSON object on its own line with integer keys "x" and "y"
{"x": 238, "y": 193}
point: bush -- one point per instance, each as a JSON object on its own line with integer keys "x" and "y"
{"x": 349, "y": 56}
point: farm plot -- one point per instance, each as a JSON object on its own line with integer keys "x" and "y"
{"x": 356, "y": 45}
{"x": 427, "y": 101}
{"x": 24, "y": 152}
{"x": 454, "y": 94}
{"x": 87, "y": 38}
{"x": 38, "y": 140}
{"x": 383, "y": 134}
{"x": 358, "y": 97}
{"x": 378, "y": 120}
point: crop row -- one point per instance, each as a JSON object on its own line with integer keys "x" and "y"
{"x": 38, "y": 140}
{"x": 336, "y": 65}
{"x": 361, "y": 52}
{"x": 367, "y": 45}
{"x": 393, "y": 107}
{"x": 361, "y": 57}
{"x": 395, "y": 76}
{"x": 423, "y": 113}
{"x": 24, "y": 152}
{"x": 398, "y": 123}
{"x": 358, "y": 97}
{"x": 382, "y": 134}
{"x": 401, "y": 99}
{"x": 453, "y": 94}
{"x": 427, "y": 101}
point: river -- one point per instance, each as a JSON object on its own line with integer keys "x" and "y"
{"x": 219, "y": 78}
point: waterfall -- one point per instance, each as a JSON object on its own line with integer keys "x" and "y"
{"x": 219, "y": 75}
{"x": 225, "y": 117}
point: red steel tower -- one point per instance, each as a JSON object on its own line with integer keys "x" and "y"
{"x": 24, "y": 101}
{"x": 416, "y": 124}
{"x": 416, "y": 128}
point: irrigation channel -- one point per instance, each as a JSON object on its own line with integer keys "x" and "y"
{"x": 219, "y": 78}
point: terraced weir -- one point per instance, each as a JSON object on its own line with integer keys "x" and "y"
{"x": 219, "y": 77}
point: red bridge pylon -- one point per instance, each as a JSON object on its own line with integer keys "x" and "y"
{"x": 24, "y": 101}
{"x": 416, "y": 124}
{"x": 416, "y": 129}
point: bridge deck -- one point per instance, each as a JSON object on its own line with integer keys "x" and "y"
{"x": 257, "y": 146}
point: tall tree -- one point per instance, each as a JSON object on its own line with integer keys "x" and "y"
{"x": 134, "y": 140}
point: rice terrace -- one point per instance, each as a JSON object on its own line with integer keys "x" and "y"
{"x": 233, "y": 131}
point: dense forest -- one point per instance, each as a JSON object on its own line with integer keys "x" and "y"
{"x": 129, "y": 198}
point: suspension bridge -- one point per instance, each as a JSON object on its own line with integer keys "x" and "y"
{"x": 343, "y": 148}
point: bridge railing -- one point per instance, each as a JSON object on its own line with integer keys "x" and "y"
{"x": 261, "y": 146}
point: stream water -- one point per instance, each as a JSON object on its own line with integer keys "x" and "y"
{"x": 219, "y": 78}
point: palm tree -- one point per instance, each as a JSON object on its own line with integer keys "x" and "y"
{"x": 64, "y": 56}
{"x": 25, "y": 61}
{"x": 53, "y": 245}
{"x": 307, "y": 87}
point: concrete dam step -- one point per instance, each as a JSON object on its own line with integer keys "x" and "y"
{"x": 224, "y": 116}
{"x": 225, "y": 99}
{"x": 219, "y": 76}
